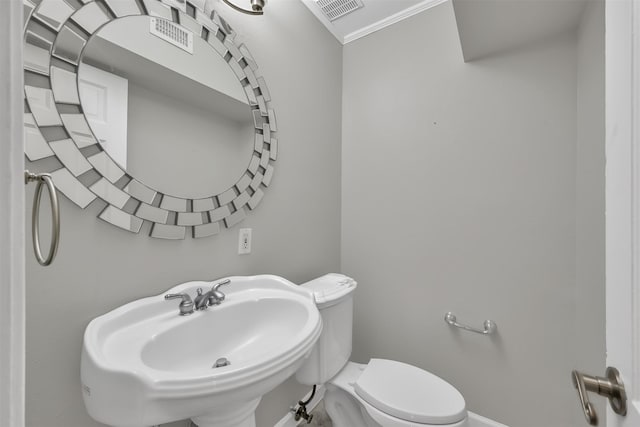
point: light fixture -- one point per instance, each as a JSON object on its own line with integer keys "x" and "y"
{"x": 256, "y": 7}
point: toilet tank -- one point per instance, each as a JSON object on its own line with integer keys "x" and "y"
{"x": 333, "y": 294}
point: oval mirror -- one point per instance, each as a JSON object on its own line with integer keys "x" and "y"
{"x": 156, "y": 111}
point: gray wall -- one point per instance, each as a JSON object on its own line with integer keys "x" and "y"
{"x": 590, "y": 198}
{"x": 460, "y": 185}
{"x": 296, "y": 228}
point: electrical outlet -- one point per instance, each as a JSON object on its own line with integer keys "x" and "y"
{"x": 244, "y": 241}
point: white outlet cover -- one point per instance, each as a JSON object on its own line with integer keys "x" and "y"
{"x": 244, "y": 241}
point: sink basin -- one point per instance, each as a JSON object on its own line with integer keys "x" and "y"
{"x": 145, "y": 364}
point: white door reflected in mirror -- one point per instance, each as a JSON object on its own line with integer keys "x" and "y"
{"x": 105, "y": 105}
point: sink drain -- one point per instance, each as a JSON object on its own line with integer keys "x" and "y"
{"x": 223, "y": 361}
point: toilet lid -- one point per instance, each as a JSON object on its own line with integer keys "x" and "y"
{"x": 410, "y": 393}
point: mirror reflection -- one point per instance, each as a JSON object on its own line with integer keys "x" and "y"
{"x": 166, "y": 107}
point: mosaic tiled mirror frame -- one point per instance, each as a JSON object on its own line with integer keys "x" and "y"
{"x": 55, "y": 35}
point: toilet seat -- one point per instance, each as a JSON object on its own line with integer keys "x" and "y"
{"x": 409, "y": 393}
{"x": 398, "y": 394}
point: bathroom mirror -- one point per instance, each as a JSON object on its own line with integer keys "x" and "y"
{"x": 150, "y": 106}
{"x": 162, "y": 112}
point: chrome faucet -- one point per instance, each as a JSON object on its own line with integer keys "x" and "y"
{"x": 202, "y": 301}
{"x": 212, "y": 297}
{"x": 186, "y": 305}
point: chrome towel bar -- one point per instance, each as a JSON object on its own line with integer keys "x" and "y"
{"x": 489, "y": 325}
{"x": 44, "y": 178}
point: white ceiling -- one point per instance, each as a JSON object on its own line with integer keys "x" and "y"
{"x": 485, "y": 26}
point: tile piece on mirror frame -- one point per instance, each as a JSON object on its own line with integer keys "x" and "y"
{"x": 42, "y": 106}
{"x": 262, "y": 106}
{"x": 226, "y": 197}
{"x": 78, "y": 128}
{"x": 219, "y": 213}
{"x": 140, "y": 191}
{"x": 253, "y": 165}
{"x": 256, "y": 181}
{"x": 268, "y": 175}
{"x": 273, "y": 149}
{"x": 36, "y": 59}
{"x": 64, "y": 86}
{"x": 108, "y": 168}
{"x": 191, "y": 24}
{"x": 189, "y": 218}
{"x": 35, "y": 146}
{"x": 233, "y": 49}
{"x": 27, "y": 11}
{"x": 217, "y": 45}
{"x": 73, "y": 189}
{"x": 175, "y": 204}
{"x": 255, "y": 199}
{"x": 248, "y": 57}
{"x": 202, "y": 205}
{"x": 121, "y": 219}
{"x": 264, "y": 159}
{"x": 258, "y": 119}
{"x": 157, "y": 9}
{"x": 206, "y": 230}
{"x": 204, "y": 20}
{"x": 34, "y": 38}
{"x": 68, "y": 46}
{"x": 258, "y": 144}
{"x": 110, "y": 193}
{"x": 253, "y": 81}
{"x": 235, "y": 218}
{"x": 251, "y": 96}
{"x": 123, "y": 7}
{"x": 53, "y": 13}
{"x": 90, "y": 17}
{"x": 169, "y": 232}
{"x": 241, "y": 200}
{"x": 262, "y": 84}
{"x": 152, "y": 213}
{"x": 237, "y": 69}
{"x": 70, "y": 156}
{"x": 272, "y": 120}
{"x": 243, "y": 183}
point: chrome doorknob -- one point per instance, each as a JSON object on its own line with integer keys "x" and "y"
{"x": 611, "y": 387}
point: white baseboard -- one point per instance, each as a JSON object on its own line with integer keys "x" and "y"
{"x": 476, "y": 420}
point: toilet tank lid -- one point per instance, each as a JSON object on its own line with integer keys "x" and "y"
{"x": 410, "y": 393}
{"x": 330, "y": 288}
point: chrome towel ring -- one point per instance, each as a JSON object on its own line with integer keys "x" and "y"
{"x": 489, "y": 326}
{"x": 44, "y": 178}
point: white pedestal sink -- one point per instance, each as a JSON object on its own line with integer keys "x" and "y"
{"x": 144, "y": 364}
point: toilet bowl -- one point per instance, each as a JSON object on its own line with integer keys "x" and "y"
{"x": 381, "y": 393}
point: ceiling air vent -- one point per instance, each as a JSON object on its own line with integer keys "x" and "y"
{"x": 334, "y": 9}
{"x": 173, "y": 33}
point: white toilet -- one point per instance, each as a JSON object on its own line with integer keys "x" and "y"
{"x": 383, "y": 393}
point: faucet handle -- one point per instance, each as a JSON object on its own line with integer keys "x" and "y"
{"x": 219, "y": 284}
{"x": 216, "y": 297}
{"x": 186, "y": 305}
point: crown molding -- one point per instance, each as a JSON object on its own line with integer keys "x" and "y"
{"x": 376, "y": 26}
{"x": 393, "y": 19}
